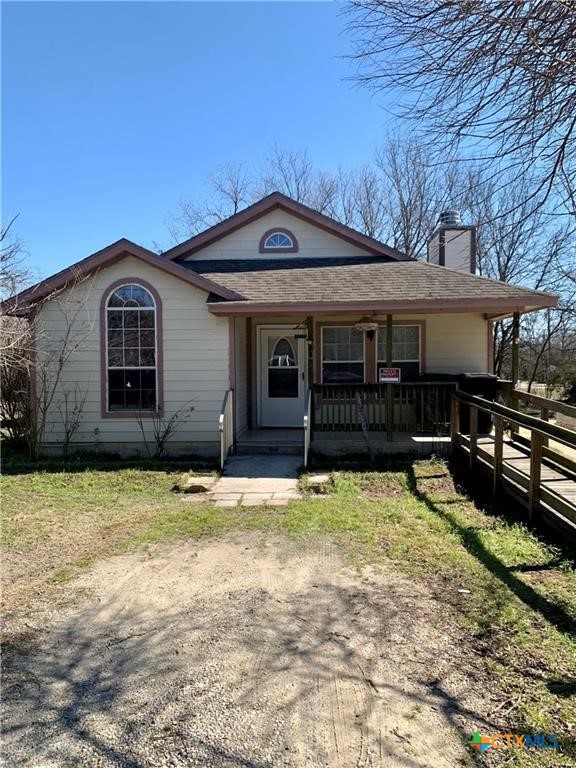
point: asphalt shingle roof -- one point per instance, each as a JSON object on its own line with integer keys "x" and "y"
{"x": 350, "y": 279}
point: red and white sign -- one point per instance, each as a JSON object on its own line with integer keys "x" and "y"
{"x": 389, "y": 375}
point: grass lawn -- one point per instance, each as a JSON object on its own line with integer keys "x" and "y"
{"x": 512, "y": 595}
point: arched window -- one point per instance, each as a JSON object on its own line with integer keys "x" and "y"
{"x": 278, "y": 241}
{"x": 282, "y": 368}
{"x": 131, "y": 317}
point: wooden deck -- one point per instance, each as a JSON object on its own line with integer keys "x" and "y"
{"x": 530, "y": 470}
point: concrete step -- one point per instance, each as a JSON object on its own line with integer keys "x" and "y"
{"x": 260, "y": 448}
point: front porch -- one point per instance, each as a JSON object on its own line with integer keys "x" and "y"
{"x": 351, "y": 419}
{"x": 337, "y": 443}
{"x": 312, "y": 383}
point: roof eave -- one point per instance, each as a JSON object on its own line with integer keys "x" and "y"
{"x": 22, "y": 303}
{"x": 489, "y": 307}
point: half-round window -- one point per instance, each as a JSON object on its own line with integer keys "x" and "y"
{"x": 283, "y": 355}
{"x": 278, "y": 241}
{"x": 131, "y": 349}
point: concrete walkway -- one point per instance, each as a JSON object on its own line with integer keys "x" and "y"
{"x": 254, "y": 480}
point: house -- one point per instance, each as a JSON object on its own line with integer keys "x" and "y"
{"x": 274, "y": 318}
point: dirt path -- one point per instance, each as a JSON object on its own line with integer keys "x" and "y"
{"x": 245, "y": 652}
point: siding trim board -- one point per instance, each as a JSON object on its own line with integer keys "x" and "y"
{"x": 104, "y": 412}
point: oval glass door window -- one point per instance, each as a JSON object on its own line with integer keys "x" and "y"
{"x": 282, "y": 368}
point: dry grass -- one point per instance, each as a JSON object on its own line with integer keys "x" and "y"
{"x": 513, "y": 594}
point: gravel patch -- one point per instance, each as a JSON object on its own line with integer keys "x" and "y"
{"x": 249, "y": 652}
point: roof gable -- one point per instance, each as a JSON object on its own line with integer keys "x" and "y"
{"x": 278, "y": 201}
{"x": 22, "y": 302}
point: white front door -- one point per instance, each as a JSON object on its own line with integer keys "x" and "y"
{"x": 282, "y": 377}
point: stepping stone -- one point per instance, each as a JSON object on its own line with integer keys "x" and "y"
{"x": 194, "y": 483}
{"x": 318, "y": 483}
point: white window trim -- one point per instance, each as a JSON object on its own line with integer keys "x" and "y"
{"x": 329, "y": 362}
{"x": 109, "y": 367}
{"x": 402, "y": 325}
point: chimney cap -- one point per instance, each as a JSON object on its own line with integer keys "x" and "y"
{"x": 450, "y": 218}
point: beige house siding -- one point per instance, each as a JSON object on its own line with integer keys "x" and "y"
{"x": 313, "y": 242}
{"x": 195, "y": 360}
{"x": 456, "y": 343}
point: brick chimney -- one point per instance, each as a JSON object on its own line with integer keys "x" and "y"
{"x": 452, "y": 244}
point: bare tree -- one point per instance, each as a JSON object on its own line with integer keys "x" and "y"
{"x": 52, "y": 353}
{"x": 15, "y": 366}
{"x": 496, "y": 79}
{"x": 162, "y": 428}
{"x": 70, "y": 407}
{"x": 525, "y": 247}
{"x": 396, "y": 198}
{"x": 14, "y": 271}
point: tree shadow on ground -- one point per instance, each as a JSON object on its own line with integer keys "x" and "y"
{"x": 120, "y": 688}
{"x": 471, "y": 539}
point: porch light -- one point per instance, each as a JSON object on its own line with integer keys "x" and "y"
{"x": 368, "y": 325}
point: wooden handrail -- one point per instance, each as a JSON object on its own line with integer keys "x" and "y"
{"x": 307, "y": 426}
{"x": 545, "y": 402}
{"x": 544, "y": 497}
{"x": 561, "y": 434}
{"x": 226, "y": 426}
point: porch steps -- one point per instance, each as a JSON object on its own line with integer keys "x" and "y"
{"x": 278, "y": 442}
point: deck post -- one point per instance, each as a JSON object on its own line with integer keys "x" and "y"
{"x": 535, "y": 473}
{"x": 389, "y": 387}
{"x": 473, "y": 447}
{"x": 454, "y": 420}
{"x": 498, "y": 453}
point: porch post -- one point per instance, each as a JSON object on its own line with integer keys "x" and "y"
{"x": 310, "y": 348}
{"x": 389, "y": 387}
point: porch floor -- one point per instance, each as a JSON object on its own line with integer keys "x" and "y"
{"x": 340, "y": 442}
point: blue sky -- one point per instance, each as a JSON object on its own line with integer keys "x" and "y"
{"x": 112, "y": 111}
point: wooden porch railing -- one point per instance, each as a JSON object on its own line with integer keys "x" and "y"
{"x": 226, "y": 426}
{"x": 419, "y": 407}
{"x": 517, "y": 465}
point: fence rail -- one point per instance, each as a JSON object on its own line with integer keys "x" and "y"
{"x": 226, "y": 426}
{"x": 422, "y": 407}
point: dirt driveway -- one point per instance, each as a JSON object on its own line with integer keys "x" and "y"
{"x": 248, "y": 652}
